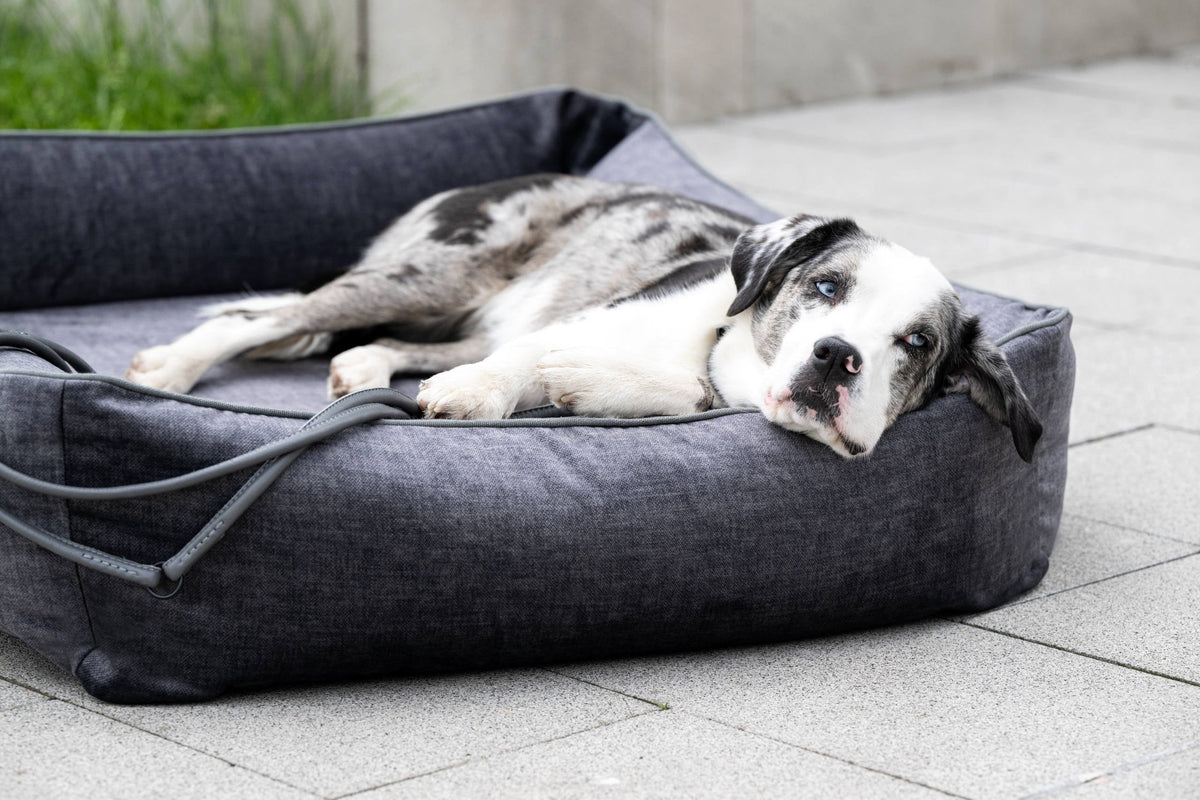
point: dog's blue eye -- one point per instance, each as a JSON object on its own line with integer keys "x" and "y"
{"x": 916, "y": 340}
{"x": 827, "y": 288}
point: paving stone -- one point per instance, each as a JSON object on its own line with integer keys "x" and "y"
{"x": 56, "y": 750}
{"x": 1126, "y": 171}
{"x": 1087, "y": 551}
{"x": 985, "y": 198}
{"x": 1024, "y": 108}
{"x": 659, "y": 755}
{"x": 22, "y": 664}
{"x": 1146, "y": 619}
{"x": 1108, "y": 291}
{"x": 1170, "y": 777}
{"x": 338, "y": 739}
{"x": 1125, "y": 380}
{"x": 13, "y": 696}
{"x": 1187, "y": 55}
{"x": 961, "y": 709}
{"x": 1145, "y": 481}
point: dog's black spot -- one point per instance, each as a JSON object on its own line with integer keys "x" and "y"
{"x": 572, "y": 215}
{"x": 656, "y": 229}
{"x": 727, "y": 233}
{"x": 824, "y": 239}
{"x": 402, "y": 273}
{"x": 709, "y": 396}
{"x": 462, "y": 216}
{"x": 853, "y": 447}
{"x": 677, "y": 280}
{"x": 797, "y": 221}
{"x": 348, "y": 285}
{"x": 441, "y": 329}
{"x": 522, "y": 250}
{"x": 693, "y": 245}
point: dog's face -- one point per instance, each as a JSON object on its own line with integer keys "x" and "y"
{"x": 855, "y": 331}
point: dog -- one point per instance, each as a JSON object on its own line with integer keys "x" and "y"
{"x": 626, "y": 300}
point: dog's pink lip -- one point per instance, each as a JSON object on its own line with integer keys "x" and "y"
{"x": 776, "y": 398}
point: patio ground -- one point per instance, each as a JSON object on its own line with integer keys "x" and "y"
{"x": 1078, "y": 187}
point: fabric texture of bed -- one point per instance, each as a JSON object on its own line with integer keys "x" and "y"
{"x": 415, "y": 546}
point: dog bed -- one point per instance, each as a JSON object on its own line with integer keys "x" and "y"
{"x": 340, "y": 549}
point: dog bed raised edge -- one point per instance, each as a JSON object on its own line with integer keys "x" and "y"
{"x": 489, "y": 545}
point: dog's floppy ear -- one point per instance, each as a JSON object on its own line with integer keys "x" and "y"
{"x": 765, "y": 253}
{"x": 977, "y": 367}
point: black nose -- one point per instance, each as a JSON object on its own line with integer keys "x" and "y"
{"x": 835, "y": 358}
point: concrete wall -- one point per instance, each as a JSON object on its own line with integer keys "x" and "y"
{"x": 698, "y": 59}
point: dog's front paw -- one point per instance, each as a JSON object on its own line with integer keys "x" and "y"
{"x": 582, "y": 382}
{"x": 162, "y": 368}
{"x": 358, "y": 368}
{"x": 466, "y": 392}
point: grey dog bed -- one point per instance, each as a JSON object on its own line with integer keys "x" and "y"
{"x": 410, "y": 545}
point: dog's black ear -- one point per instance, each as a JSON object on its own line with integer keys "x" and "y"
{"x": 976, "y": 367}
{"x": 765, "y": 253}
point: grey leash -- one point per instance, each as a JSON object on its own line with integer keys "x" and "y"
{"x": 164, "y": 579}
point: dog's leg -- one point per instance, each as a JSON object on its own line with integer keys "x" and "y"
{"x": 370, "y": 294}
{"x": 492, "y": 388}
{"x": 177, "y": 366}
{"x": 374, "y": 364}
{"x": 599, "y": 382}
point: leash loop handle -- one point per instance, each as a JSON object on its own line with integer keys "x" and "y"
{"x": 165, "y": 578}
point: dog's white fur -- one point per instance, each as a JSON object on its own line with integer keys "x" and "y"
{"x": 892, "y": 285}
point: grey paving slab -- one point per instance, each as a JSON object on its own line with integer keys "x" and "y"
{"x": 1023, "y": 108}
{"x": 1145, "y": 481}
{"x": 662, "y": 755}
{"x": 1114, "y": 169}
{"x": 21, "y": 664}
{"x": 957, "y": 253}
{"x": 1125, "y": 380}
{"x": 1172, "y": 776}
{"x": 56, "y": 750}
{"x": 13, "y": 696}
{"x": 961, "y": 709}
{"x": 1087, "y": 551}
{"x": 923, "y": 186}
{"x": 1146, "y": 619}
{"x": 1189, "y": 55}
{"x": 338, "y": 739}
{"x": 1109, "y": 291}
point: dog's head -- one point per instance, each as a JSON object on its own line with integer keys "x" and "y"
{"x": 855, "y": 331}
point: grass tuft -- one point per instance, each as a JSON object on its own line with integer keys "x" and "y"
{"x": 135, "y": 66}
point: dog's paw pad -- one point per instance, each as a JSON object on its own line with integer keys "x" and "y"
{"x": 466, "y": 392}
{"x": 161, "y": 368}
{"x": 355, "y": 369}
